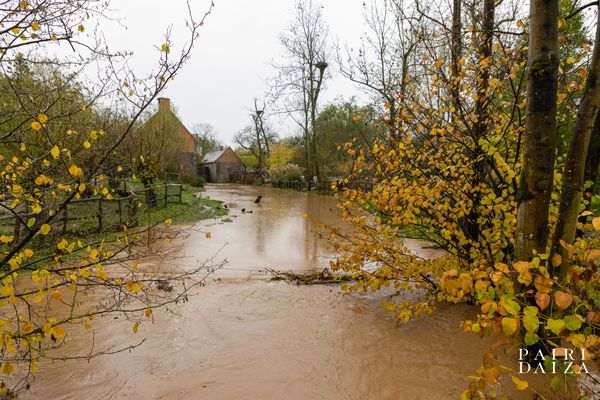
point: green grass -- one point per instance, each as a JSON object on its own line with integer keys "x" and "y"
{"x": 190, "y": 210}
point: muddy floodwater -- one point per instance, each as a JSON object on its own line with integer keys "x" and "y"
{"x": 243, "y": 337}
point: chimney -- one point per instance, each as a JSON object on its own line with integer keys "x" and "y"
{"x": 164, "y": 104}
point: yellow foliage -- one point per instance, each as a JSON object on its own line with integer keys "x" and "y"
{"x": 44, "y": 229}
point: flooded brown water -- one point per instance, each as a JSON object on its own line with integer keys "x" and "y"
{"x": 243, "y": 337}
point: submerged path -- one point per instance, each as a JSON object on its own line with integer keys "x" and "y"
{"x": 242, "y": 337}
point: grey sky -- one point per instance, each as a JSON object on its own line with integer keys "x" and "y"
{"x": 231, "y": 63}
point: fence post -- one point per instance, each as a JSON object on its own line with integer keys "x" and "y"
{"x": 65, "y": 220}
{"x": 100, "y": 216}
{"x": 120, "y": 205}
{"x": 17, "y": 231}
{"x": 166, "y": 194}
{"x": 180, "y": 193}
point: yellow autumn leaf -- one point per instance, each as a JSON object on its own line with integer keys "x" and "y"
{"x": 43, "y": 118}
{"x": 55, "y": 152}
{"x": 7, "y": 368}
{"x": 168, "y": 221}
{"x": 6, "y": 239}
{"x": 165, "y": 48}
{"x": 133, "y": 286}
{"x": 596, "y": 223}
{"x": 44, "y": 229}
{"x": 87, "y": 144}
{"x": 35, "y": 26}
{"x": 510, "y": 325}
{"x": 148, "y": 312}
{"x": 36, "y": 126}
{"x": 27, "y": 327}
{"x": 58, "y": 332}
{"x": 81, "y": 28}
{"x": 62, "y": 245}
{"x": 519, "y": 383}
{"x": 75, "y": 171}
{"x": 208, "y": 235}
{"x": 136, "y": 326}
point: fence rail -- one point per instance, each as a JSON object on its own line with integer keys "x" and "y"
{"x": 97, "y": 213}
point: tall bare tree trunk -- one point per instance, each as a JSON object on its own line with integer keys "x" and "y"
{"x": 535, "y": 186}
{"x": 480, "y": 128}
{"x": 456, "y": 48}
{"x": 571, "y": 193}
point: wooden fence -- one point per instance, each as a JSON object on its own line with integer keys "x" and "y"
{"x": 322, "y": 186}
{"x": 98, "y": 213}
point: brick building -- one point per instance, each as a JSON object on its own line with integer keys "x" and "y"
{"x": 166, "y": 120}
{"x": 218, "y": 166}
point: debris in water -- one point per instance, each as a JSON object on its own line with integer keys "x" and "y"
{"x": 164, "y": 285}
{"x": 311, "y": 278}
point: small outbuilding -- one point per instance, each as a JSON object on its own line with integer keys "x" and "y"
{"x": 218, "y": 166}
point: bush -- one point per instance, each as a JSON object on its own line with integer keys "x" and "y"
{"x": 288, "y": 172}
{"x": 194, "y": 180}
{"x": 199, "y": 181}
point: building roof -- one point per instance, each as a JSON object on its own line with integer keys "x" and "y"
{"x": 213, "y": 156}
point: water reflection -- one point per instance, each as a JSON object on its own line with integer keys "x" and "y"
{"x": 271, "y": 234}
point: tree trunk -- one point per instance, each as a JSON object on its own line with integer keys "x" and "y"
{"x": 571, "y": 193}
{"x": 480, "y": 128}
{"x": 593, "y": 163}
{"x": 535, "y": 186}
{"x": 456, "y": 48}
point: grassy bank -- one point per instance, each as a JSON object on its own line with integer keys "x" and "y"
{"x": 83, "y": 224}
{"x": 191, "y": 209}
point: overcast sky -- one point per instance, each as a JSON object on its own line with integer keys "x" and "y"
{"x": 231, "y": 63}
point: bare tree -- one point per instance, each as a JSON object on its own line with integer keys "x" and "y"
{"x": 258, "y": 138}
{"x": 389, "y": 50}
{"x": 206, "y": 138}
{"x": 302, "y": 74}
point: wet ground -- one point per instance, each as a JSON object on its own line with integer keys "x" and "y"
{"x": 243, "y": 337}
